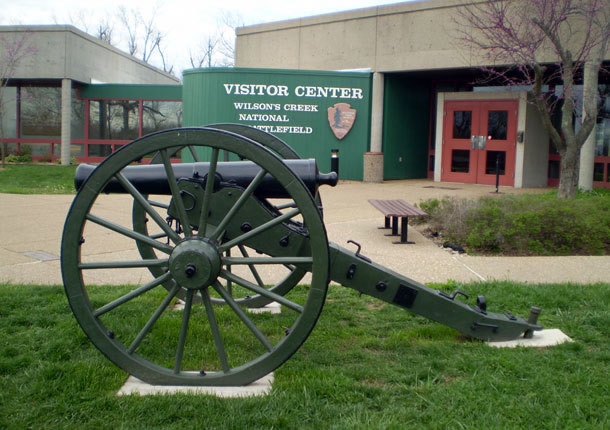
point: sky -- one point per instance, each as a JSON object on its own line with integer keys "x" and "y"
{"x": 186, "y": 24}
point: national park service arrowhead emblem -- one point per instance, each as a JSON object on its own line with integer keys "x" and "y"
{"x": 341, "y": 118}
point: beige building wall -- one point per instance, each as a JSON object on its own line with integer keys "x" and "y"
{"x": 536, "y": 150}
{"x": 407, "y": 37}
{"x": 64, "y": 52}
{"x": 421, "y": 35}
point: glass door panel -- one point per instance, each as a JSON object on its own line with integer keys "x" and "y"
{"x": 499, "y": 122}
{"x": 459, "y": 163}
{"x": 460, "y": 160}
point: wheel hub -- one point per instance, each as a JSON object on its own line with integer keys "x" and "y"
{"x": 195, "y": 263}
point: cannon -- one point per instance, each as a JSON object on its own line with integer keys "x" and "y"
{"x": 237, "y": 228}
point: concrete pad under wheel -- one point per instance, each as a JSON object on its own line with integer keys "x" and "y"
{"x": 260, "y": 387}
{"x": 540, "y": 339}
{"x": 272, "y": 308}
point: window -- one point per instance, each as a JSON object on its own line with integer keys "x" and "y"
{"x": 75, "y": 150}
{"x": 598, "y": 172}
{"x": 96, "y": 150}
{"x": 602, "y": 138}
{"x": 460, "y": 160}
{"x": 113, "y": 119}
{"x": 554, "y": 169}
{"x": 9, "y": 120}
{"x": 40, "y": 112}
{"x": 462, "y": 121}
{"x": 497, "y": 124}
{"x": 160, "y": 115}
{"x": 37, "y": 149}
{"x": 77, "y": 122}
{"x": 495, "y": 158}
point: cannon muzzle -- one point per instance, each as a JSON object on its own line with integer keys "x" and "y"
{"x": 152, "y": 178}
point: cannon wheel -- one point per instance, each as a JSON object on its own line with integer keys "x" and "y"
{"x": 202, "y": 344}
{"x": 284, "y": 151}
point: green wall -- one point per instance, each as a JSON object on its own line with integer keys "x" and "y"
{"x": 406, "y": 126}
{"x": 268, "y": 99}
{"x": 127, "y": 91}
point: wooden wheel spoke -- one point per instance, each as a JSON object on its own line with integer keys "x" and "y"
{"x": 242, "y": 316}
{"x": 194, "y": 153}
{"x": 207, "y": 194}
{"x": 158, "y": 236}
{"x": 153, "y": 319}
{"x": 229, "y": 283}
{"x": 130, "y": 233}
{"x": 260, "y": 229}
{"x": 124, "y": 264}
{"x": 232, "y": 261}
{"x": 209, "y": 309}
{"x": 286, "y": 206}
{"x": 252, "y": 268}
{"x": 132, "y": 294}
{"x": 158, "y": 204}
{"x": 238, "y": 204}
{"x": 260, "y": 290}
{"x": 176, "y": 197}
{"x": 147, "y": 207}
{"x": 188, "y": 303}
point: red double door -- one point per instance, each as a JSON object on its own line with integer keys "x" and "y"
{"x": 479, "y": 139}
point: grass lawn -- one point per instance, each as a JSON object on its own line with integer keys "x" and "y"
{"x": 366, "y": 365}
{"x": 37, "y": 179}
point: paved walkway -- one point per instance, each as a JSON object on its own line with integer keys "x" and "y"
{"x": 31, "y": 228}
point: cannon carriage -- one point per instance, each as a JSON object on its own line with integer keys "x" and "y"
{"x": 239, "y": 227}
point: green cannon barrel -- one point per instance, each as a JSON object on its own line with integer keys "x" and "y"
{"x": 152, "y": 178}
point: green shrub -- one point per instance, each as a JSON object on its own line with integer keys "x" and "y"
{"x": 430, "y": 206}
{"x": 25, "y": 158}
{"x": 525, "y": 224}
{"x": 47, "y": 158}
{"x": 72, "y": 160}
{"x": 24, "y": 150}
{"x": 22, "y": 155}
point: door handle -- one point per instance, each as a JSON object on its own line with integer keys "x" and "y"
{"x": 477, "y": 142}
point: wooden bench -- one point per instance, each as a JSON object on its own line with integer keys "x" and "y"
{"x": 397, "y": 209}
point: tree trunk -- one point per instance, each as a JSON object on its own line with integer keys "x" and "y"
{"x": 568, "y": 176}
{"x": 3, "y": 148}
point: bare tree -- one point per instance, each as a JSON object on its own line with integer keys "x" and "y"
{"x": 168, "y": 68}
{"x": 15, "y": 48}
{"x": 541, "y": 42}
{"x": 103, "y": 30}
{"x": 228, "y": 23}
{"x": 136, "y": 33}
{"x": 144, "y": 39}
{"x": 218, "y": 49}
{"x": 205, "y": 56}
